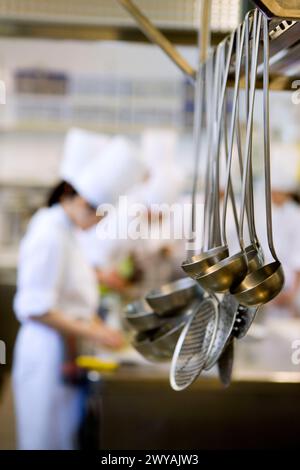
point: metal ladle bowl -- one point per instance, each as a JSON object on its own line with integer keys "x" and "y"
{"x": 141, "y": 317}
{"x": 225, "y": 274}
{"x": 158, "y": 345}
{"x": 255, "y": 258}
{"x": 196, "y": 264}
{"x": 172, "y": 296}
{"x": 260, "y": 286}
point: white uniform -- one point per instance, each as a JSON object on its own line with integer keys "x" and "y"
{"x": 286, "y": 217}
{"x": 286, "y": 226}
{"x": 53, "y": 275}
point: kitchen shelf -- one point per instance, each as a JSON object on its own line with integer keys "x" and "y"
{"x": 8, "y": 258}
{"x": 93, "y": 100}
{"x": 106, "y": 19}
{"x": 52, "y": 127}
{"x": 26, "y": 183}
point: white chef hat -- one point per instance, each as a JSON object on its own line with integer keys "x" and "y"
{"x": 158, "y": 147}
{"x": 285, "y": 167}
{"x": 81, "y": 147}
{"x": 111, "y": 174}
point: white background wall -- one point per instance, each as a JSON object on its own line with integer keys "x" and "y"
{"x": 35, "y": 156}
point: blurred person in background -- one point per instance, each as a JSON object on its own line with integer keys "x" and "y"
{"x": 131, "y": 267}
{"x": 160, "y": 256}
{"x": 285, "y": 167}
{"x": 277, "y": 322}
{"x": 57, "y": 292}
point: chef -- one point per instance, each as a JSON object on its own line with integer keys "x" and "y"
{"x": 159, "y": 254}
{"x": 57, "y": 291}
{"x": 285, "y": 166}
{"x": 150, "y": 261}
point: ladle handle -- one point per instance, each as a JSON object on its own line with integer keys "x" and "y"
{"x": 251, "y": 222}
{"x": 216, "y": 235}
{"x": 197, "y": 144}
{"x": 203, "y": 46}
{"x": 239, "y": 44}
{"x": 249, "y": 190}
{"x": 256, "y": 36}
{"x": 231, "y": 192}
{"x": 267, "y": 138}
{"x": 217, "y": 239}
{"x": 208, "y": 197}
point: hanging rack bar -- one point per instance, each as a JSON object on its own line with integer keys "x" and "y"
{"x": 284, "y": 34}
{"x": 154, "y": 35}
{"x": 284, "y": 9}
{"x": 205, "y": 31}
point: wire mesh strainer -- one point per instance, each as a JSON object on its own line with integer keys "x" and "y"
{"x": 194, "y": 345}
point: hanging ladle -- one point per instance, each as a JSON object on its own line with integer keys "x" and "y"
{"x": 231, "y": 270}
{"x": 234, "y": 319}
{"x": 262, "y": 285}
{"x": 195, "y": 265}
{"x": 228, "y": 305}
{"x": 255, "y": 257}
{"x": 253, "y": 251}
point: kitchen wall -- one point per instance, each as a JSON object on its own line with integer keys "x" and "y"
{"x": 137, "y": 86}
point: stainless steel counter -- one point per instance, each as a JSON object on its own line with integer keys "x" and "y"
{"x": 138, "y": 410}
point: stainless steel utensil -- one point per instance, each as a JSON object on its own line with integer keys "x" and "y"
{"x": 231, "y": 270}
{"x": 158, "y": 345}
{"x": 159, "y": 349}
{"x": 194, "y": 344}
{"x": 243, "y": 321}
{"x": 255, "y": 257}
{"x": 141, "y": 317}
{"x": 243, "y": 316}
{"x": 253, "y": 251}
{"x": 142, "y": 344}
{"x": 172, "y": 296}
{"x": 225, "y": 363}
{"x": 228, "y": 309}
{"x": 197, "y": 133}
{"x": 263, "y": 284}
{"x": 212, "y": 252}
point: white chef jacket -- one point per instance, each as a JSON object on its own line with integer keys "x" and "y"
{"x": 286, "y": 229}
{"x": 53, "y": 274}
